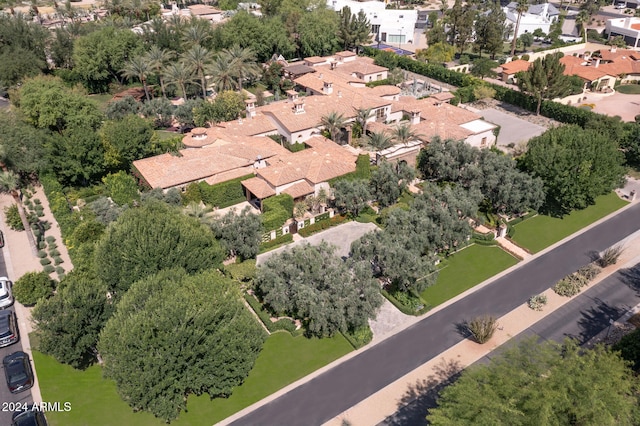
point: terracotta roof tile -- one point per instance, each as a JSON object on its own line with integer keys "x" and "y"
{"x": 299, "y": 189}
{"x": 259, "y": 187}
{"x": 515, "y": 66}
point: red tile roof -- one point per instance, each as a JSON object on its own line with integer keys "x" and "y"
{"x": 259, "y": 187}
{"x": 515, "y": 66}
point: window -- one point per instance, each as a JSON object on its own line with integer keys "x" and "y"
{"x": 483, "y": 142}
{"x": 380, "y": 113}
{"x": 379, "y": 77}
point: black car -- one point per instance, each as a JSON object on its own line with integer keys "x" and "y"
{"x": 17, "y": 369}
{"x": 31, "y": 416}
{"x": 8, "y": 328}
{"x": 1, "y": 239}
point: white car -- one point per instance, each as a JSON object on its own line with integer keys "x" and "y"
{"x": 6, "y": 296}
{"x": 621, "y": 6}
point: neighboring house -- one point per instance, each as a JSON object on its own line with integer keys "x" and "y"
{"x": 595, "y": 77}
{"x": 628, "y": 28}
{"x": 538, "y": 16}
{"x": 623, "y": 63}
{"x": 387, "y": 25}
{"x": 203, "y": 12}
{"x": 302, "y": 173}
{"x": 510, "y": 69}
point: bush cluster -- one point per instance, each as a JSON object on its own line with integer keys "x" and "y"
{"x": 13, "y": 219}
{"x": 33, "y": 286}
{"x": 482, "y": 328}
{"x": 283, "y": 239}
{"x": 282, "y": 324}
{"x": 573, "y": 283}
{"x": 223, "y": 194}
{"x": 537, "y": 302}
{"x": 408, "y": 304}
{"x": 610, "y": 256}
{"x": 321, "y": 225}
{"x": 359, "y": 337}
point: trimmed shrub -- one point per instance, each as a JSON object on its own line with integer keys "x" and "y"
{"x": 53, "y": 252}
{"x": 42, "y": 245}
{"x": 276, "y": 211}
{"x": 59, "y": 270}
{"x": 121, "y": 187}
{"x": 57, "y": 260}
{"x": 284, "y": 239}
{"x": 359, "y": 337}
{"x": 37, "y": 201}
{"x": 191, "y": 194}
{"x": 537, "y": 302}
{"x": 482, "y": 328}
{"x": 52, "y": 246}
{"x": 322, "y": 225}
{"x": 42, "y": 254}
{"x": 45, "y": 261}
{"x": 224, "y": 194}
{"x": 610, "y": 256}
{"x": 50, "y": 239}
{"x": 589, "y": 271}
{"x": 48, "y": 269}
{"x": 407, "y": 303}
{"x": 282, "y": 324}
{"x": 46, "y": 225}
{"x": 13, "y": 219}
{"x": 31, "y": 287}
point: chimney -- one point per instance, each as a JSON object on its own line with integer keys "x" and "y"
{"x": 298, "y": 106}
{"x": 597, "y": 63}
{"x": 627, "y": 23}
{"x": 339, "y": 93}
{"x": 320, "y": 76}
{"x": 415, "y": 116}
{"x": 292, "y": 95}
{"x": 614, "y": 49}
{"x": 333, "y": 65}
{"x": 327, "y": 87}
{"x": 250, "y": 107}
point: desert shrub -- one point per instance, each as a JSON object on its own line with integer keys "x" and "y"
{"x": 50, "y": 239}
{"x": 42, "y": 245}
{"x": 31, "y": 287}
{"x": 53, "y": 252}
{"x": 537, "y": 302}
{"x": 59, "y": 270}
{"x": 610, "y": 256}
{"x": 52, "y": 246}
{"x": 482, "y": 328}
{"x": 568, "y": 286}
{"x": 359, "y": 337}
{"x": 37, "y": 201}
{"x": 45, "y": 261}
{"x": 46, "y": 225}
{"x": 13, "y": 219}
{"x": 589, "y": 272}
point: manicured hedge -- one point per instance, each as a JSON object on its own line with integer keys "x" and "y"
{"x": 360, "y": 337}
{"x": 402, "y": 307}
{"x": 265, "y": 317}
{"x": 287, "y": 238}
{"x": 363, "y": 170}
{"x": 223, "y": 194}
{"x": 276, "y": 211}
{"x": 323, "y": 224}
{"x": 59, "y": 205}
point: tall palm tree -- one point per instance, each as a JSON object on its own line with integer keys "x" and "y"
{"x": 198, "y": 31}
{"x": 521, "y": 7}
{"x": 179, "y": 75}
{"x": 379, "y": 141}
{"x": 243, "y": 63}
{"x": 582, "y": 19}
{"x": 222, "y": 75}
{"x": 199, "y": 58}
{"x": 138, "y": 67}
{"x": 10, "y": 184}
{"x": 362, "y": 115}
{"x": 333, "y": 122}
{"x": 158, "y": 59}
{"x": 404, "y": 134}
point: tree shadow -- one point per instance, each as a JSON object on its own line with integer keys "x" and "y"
{"x": 631, "y": 277}
{"x": 463, "y": 330}
{"x": 595, "y": 320}
{"x": 423, "y": 395}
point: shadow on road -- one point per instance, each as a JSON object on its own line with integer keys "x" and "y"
{"x": 592, "y": 320}
{"x": 421, "y": 396}
{"x": 631, "y": 277}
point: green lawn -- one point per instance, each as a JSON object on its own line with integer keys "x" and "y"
{"x": 94, "y": 400}
{"x": 102, "y": 100}
{"x": 466, "y": 269}
{"x": 162, "y": 135}
{"x": 629, "y": 89}
{"x": 542, "y": 231}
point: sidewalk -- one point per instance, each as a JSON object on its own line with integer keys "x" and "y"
{"x": 388, "y": 400}
{"x": 19, "y": 259}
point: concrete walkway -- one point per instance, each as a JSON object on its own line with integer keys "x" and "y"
{"x": 19, "y": 260}
{"x": 513, "y": 248}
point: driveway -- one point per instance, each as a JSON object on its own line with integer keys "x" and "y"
{"x": 341, "y": 387}
{"x": 624, "y": 106}
{"x": 512, "y": 129}
{"x": 341, "y": 236}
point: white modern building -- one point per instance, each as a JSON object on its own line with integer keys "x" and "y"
{"x": 387, "y": 25}
{"x": 628, "y": 28}
{"x": 538, "y": 16}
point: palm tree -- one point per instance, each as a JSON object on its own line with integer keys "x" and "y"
{"x": 138, "y": 67}
{"x": 158, "y": 59}
{"x": 379, "y": 141}
{"x": 362, "y": 115}
{"x": 404, "y": 134}
{"x": 333, "y": 122}
{"x": 222, "y": 75}
{"x": 179, "y": 75}
{"x": 582, "y": 19}
{"x": 521, "y": 7}
{"x": 243, "y": 63}
{"x": 198, "y": 31}
{"x": 198, "y": 58}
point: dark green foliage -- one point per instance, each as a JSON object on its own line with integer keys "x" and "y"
{"x": 150, "y": 238}
{"x": 12, "y": 218}
{"x": 54, "y": 252}
{"x": 220, "y": 195}
{"x": 407, "y": 302}
{"x": 545, "y": 79}
{"x": 22, "y": 48}
{"x": 57, "y": 260}
{"x": 106, "y": 211}
{"x": 542, "y": 383}
{"x": 31, "y": 287}
{"x": 126, "y": 140}
{"x": 278, "y": 241}
{"x": 121, "y": 187}
{"x": 227, "y": 106}
{"x": 283, "y": 324}
{"x": 24, "y": 147}
{"x": 363, "y": 170}
{"x": 69, "y": 322}
{"x": 352, "y": 195}
{"x": 243, "y": 272}
{"x": 312, "y": 284}
{"x": 199, "y": 325}
{"x": 321, "y": 225}
{"x": 119, "y": 109}
{"x": 389, "y": 180}
{"x": 575, "y": 165}
{"x": 359, "y": 337}
{"x": 629, "y": 348}
{"x": 276, "y": 211}
{"x": 45, "y": 261}
{"x": 239, "y": 232}
{"x": 48, "y": 269}
{"x": 192, "y": 194}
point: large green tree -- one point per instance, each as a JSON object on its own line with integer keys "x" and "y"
{"x": 389, "y": 180}
{"x": 576, "y": 165}
{"x": 173, "y": 335}
{"x": 68, "y": 323}
{"x": 352, "y": 195}
{"x": 77, "y": 156}
{"x": 100, "y": 55}
{"x": 313, "y": 284}
{"x": 126, "y": 140}
{"x": 22, "y": 49}
{"x": 150, "y": 238}
{"x": 318, "y": 32}
{"x": 489, "y": 31}
{"x": 545, "y": 79}
{"x": 23, "y": 147}
{"x": 239, "y": 232}
{"x": 353, "y": 29}
{"x": 542, "y": 384}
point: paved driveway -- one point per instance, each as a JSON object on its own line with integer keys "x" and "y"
{"x": 512, "y": 129}
{"x": 341, "y": 236}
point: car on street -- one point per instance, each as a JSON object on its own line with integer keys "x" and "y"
{"x": 6, "y": 295}
{"x": 17, "y": 369}
{"x": 30, "y": 416}
{"x": 8, "y": 328}
{"x": 1, "y": 239}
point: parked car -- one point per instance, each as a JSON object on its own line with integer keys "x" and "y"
{"x": 17, "y": 369}
{"x": 621, "y": 5}
{"x": 1, "y": 239}
{"x": 6, "y": 295}
{"x": 8, "y": 328}
{"x": 31, "y": 416}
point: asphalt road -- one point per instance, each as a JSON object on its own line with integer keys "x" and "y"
{"x": 334, "y": 391}
{"x": 7, "y": 399}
